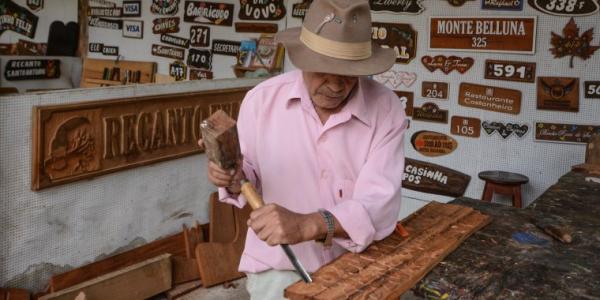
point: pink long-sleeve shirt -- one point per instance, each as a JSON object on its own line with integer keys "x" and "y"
{"x": 351, "y": 166}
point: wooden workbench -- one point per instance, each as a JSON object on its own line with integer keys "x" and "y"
{"x": 492, "y": 265}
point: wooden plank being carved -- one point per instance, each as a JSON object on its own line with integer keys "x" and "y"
{"x": 139, "y": 281}
{"x": 218, "y": 261}
{"x": 83, "y": 140}
{"x": 388, "y": 268}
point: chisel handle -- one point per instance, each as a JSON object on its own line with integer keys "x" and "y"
{"x": 253, "y": 198}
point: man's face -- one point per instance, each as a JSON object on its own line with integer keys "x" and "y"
{"x": 329, "y": 91}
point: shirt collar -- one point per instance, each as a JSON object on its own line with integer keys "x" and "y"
{"x": 356, "y": 105}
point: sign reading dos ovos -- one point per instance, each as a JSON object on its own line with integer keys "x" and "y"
{"x": 263, "y": 10}
{"x": 208, "y": 13}
{"x": 434, "y": 179}
{"x": 483, "y": 34}
{"x": 565, "y": 133}
{"x": 402, "y": 38}
{"x": 558, "y": 93}
{"x": 83, "y": 140}
{"x": 490, "y": 98}
{"x": 433, "y": 144}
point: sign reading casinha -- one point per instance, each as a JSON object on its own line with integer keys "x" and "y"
{"x": 77, "y": 141}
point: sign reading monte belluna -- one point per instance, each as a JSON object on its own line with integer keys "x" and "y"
{"x": 483, "y": 34}
{"x": 83, "y": 140}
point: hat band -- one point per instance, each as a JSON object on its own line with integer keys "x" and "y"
{"x": 335, "y": 49}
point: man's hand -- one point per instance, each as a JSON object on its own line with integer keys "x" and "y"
{"x": 229, "y": 179}
{"x": 276, "y": 225}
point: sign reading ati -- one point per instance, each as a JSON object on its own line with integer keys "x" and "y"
{"x": 483, "y": 34}
{"x": 433, "y": 144}
{"x": 434, "y": 179}
{"x": 30, "y": 69}
{"x": 490, "y": 98}
{"x": 400, "y": 37}
{"x": 84, "y": 140}
{"x": 565, "y": 133}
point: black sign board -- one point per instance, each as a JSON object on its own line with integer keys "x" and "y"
{"x": 31, "y": 69}
{"x": 201, "y": 59}
{"x": 592, "y": 89}
{"x": 212, "y": 13}
{"x": 565, "y": 8}
{"x": 165, "y": 25}
{"x": 512, "y": 5}
{"x": 164, "y": 7}
{"x": 170, "y": 52}
{"x": 224, "y": 47}
{"x": 400, "y": 37}
{"x": 132, "y": 8}
{"x": 175, "y": 40}
{"x": 178, "y": 70}
{"x": 264, "y": 10}
{"x": 95, "y": 47}
{"x": 110, "y": 50}
{"x": 200, "y": 36}
{"x": 100, "y": 11}
{"x": 105, "y": 23}
{"x": 17, "y": 18}
{"x": 412, "y": 7}
{"x": 299, "y": 9}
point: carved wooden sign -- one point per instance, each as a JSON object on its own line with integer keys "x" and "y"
{"x": 256, "y": 27}
{"x": 434, "y": 179}
{"x": 395, "y": 79}
{"x": 299, "y": 9}
{"x": 464, "y": 126}
{"x": 164, "y": 7}
{"x": 432, "y": 144}
{"x": 430, "y": 112}
{"x": 197, "y": 74}
{"x": 262, "y": 10}
{"x": 512, "y": 5}
{"x": 458, "y": 2}
{"x": 558, "y": 93}
{"x": 409, "y": 7}
{"x": 105, "y": 23}
{"x": 175, "y": 40}
{"x": 505, "y": 130}
{"x": 23, "y": 47}
{"x": 78, "y": 141}
{"x": 178, "y": 70}
{"x": 572, "y": 44}
{"x": 565, "y": 133}
{"x": 18, "y": 19}
{"x": 30, "y": 69}
{"x": 592, "y": 89}
{"x": 575, "y": 8}
{"x": 435, "y": 90}
{"x": 447, "y": 64}
{"x": 132, "y": 8}
{"x": 407, "y": 99}
{"x": 212, "y": 13}
{"x": 200, "y": 58}
{"x": 400, "y": 37}
{"x": 490, "y": 98}
{"x": 165, "y": 25}
{"x": 223, "y": 47}
{"x": 199, "y": 36}
{"x": 483, "y": 34}
{"x": 95, "y": 47}
{"x": 99, "y": 11}
{"x": 169, "y": 52}
{"x": 510, "y": 70}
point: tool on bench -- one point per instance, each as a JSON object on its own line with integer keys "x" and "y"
{"x": 222, "y": 147}
{"x": 554, "y": 229}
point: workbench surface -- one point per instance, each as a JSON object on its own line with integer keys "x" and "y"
{"x": 493, "y": 265}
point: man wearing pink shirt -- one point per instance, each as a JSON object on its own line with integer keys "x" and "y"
{"x": 324, "y": 146}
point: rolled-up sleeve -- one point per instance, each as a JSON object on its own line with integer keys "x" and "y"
{"x": 372, "y": 212}
{"x": 246, "y": 128}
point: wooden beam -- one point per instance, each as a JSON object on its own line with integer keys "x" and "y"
{"x": 82, "y": 8}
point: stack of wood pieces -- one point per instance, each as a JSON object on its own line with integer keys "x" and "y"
{"x": 388, "y": 268}
{"x": 592, "y": 158}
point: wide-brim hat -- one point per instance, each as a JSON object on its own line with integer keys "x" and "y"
{"x": 335, "y": 38}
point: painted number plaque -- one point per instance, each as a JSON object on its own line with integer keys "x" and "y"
{"x": 435, "y": 90}
{"x": 510, "y": 70}
{"x": 463, "y": 126}
{"x": 490, "y": 98}
{"x": 78, "y": 141}
{"x": 434, "y": 179}
{"x": 483, "y": 34}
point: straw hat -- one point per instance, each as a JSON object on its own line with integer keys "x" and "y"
{"x": 335, "y": 38}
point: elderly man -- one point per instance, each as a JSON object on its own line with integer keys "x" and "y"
{"x": 324, "y": 145}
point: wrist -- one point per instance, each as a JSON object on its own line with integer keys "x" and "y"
{"x": 313, "y": 228}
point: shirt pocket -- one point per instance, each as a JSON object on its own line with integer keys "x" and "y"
{"x": 344, "y": 190}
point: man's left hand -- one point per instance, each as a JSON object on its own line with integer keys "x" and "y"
{"x": 276, "y": 225}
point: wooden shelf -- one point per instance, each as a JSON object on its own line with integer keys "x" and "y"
{"x": 103, "y": 82}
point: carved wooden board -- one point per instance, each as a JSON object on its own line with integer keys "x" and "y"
{"x": 433, "y": 144}
{"x": 402, "y": 38}
{"x": 434, "y": 179}
{"x": 407, "y": 99}
{"x": 469, "y": 127}
{"x": 483, "y": 34}
{"x": 558, "y": 93}
{"x": 490, "y": 98}
{"x": 435, "y": 90}
{"x": 390, "y": 267}
{"x": 430, "y": 112}
{"x": 510, "y": 70}
{"x": 592, "y": 89}
{"x": 84, "y": 140}
{"x": 565, "y": 133}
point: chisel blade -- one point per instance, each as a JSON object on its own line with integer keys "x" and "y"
{"x": 297, "y": 265}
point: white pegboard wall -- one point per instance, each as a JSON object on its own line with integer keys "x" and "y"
{"x": 72, "y": 224}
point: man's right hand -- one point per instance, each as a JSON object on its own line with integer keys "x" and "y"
{"x": 229, "y": 179}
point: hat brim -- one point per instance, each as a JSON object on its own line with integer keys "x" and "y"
{"x": 305, "y": 59}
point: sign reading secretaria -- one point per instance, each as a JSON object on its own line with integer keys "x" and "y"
{"x": 30, "y": 69}
{"x": 483, "y": 34}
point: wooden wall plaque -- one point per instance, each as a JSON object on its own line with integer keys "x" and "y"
{"x": 402, "y": 38}
{"x": 408, "y": 100}
{"x": 432, "y": 144}
{"x": 83, "y": 140}
{"x": 256, "y": 27}
{"x": 592, "y": 89}
{"x": 463, "y": 126}
{"x": 558, "y": 93}
{"x": 490, "y": 98}
{"x": 505, "y": 130}
{"x": 430, "y": 112}
{"x": 510, "y": 70}
{"x": 434, "y": 179}
{"x": 565, "y": 133}
{"x": 483, "y": 34}
{"x": 435, "y": 90}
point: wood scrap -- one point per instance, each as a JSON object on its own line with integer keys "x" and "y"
{"x": 184, "y": 269}
{"x": 183, "y": 289}
{"x": 592, "y": 152}
{"x": 388, "y": 268}
{"x": 192, "y": 237}
{"x": 14, "y": 294}
{"x": 138, "y": 281}
{"x": 222, "y": 220}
